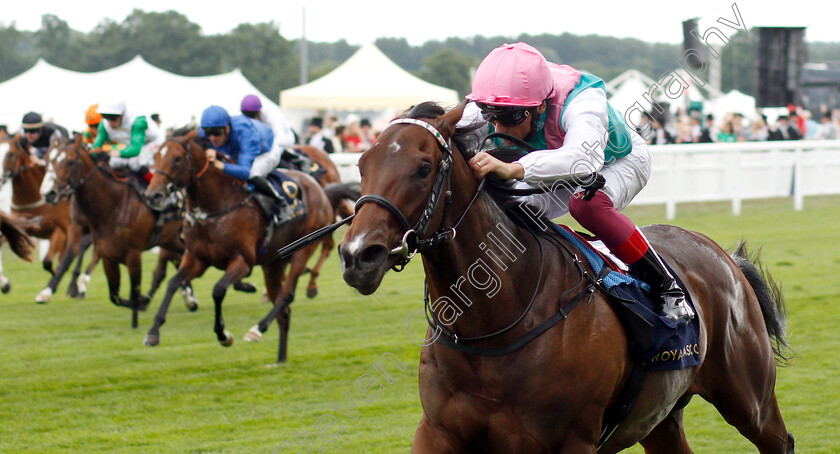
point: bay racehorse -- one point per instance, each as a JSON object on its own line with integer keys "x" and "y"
{"x": 48, "y": 221}
{"x": 550, "y": 395}
{"x": 225, "y": 228}
{"x": 122, "y": 225}
{"x": 13, "y": 232}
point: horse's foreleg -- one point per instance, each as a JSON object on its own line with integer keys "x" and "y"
{"x": 5, "y": 286}
{"x": 327, "y": 245}
{"x": 84, "y": 279}
{"x": 189, "y": 268}
{"x": 135, "y": 274}
{"x": 165, "y": 256}
{"x": 667, "y": 437}
{"x": 112, "y": 274}
{"x": 235, "y": 271}
{"x": 81, "y": 247}
{"x": 57, "y": 242}
{"x": 429, "y": 439}
{"x": 287, "y": 295}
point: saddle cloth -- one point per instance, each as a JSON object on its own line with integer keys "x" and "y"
{"x": 293, "y": 207}
{"x": 657, "y": 343}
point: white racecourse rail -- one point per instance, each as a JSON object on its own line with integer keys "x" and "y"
{"x": 709, "y": 172}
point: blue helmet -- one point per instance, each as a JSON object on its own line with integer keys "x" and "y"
{"x": 214, "y": 117}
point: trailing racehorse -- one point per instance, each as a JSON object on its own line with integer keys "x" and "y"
{"x": 226, "y": 229}
{"x": 122, "y": 225}
{"x": 498, "y": 379}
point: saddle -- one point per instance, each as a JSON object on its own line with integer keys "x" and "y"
{"x": 295, "y": 160}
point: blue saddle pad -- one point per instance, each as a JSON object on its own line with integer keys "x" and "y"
{"x": 289, "y": 190}
{"x": 657, "y": 343}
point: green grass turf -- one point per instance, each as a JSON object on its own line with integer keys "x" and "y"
{"x": 74, "y": 377}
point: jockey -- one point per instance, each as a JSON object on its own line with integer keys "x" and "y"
{"x": 129, "y": 138}
{"x": 564, "y": 114}
{"x": 251, "y": 107}
{"x": 239, "y": 138}
{"x": 38, "y": 135}
{"x": 92, "y": 118}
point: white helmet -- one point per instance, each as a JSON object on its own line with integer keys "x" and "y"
{"x": 112, "y": 108}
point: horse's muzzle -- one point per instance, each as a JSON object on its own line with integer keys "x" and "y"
{"x": 363, "y": 267}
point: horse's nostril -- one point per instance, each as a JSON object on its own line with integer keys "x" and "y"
{"x": 373, "y": 256}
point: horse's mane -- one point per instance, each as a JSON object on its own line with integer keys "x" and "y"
{"x": 469, "y": 139}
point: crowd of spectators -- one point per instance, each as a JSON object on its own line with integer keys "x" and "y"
{"x": 355, "y": 135}
{"x": 693, "y": 127}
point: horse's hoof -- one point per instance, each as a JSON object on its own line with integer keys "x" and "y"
{"x": 253, "y": 334}
{"x": 72, "y": 291}
{"x": 44, "y": 296}
{"x": 81, "y": 283}
{"x": 151, "y": 340}
{"x": 244, "y": 287}
{"x": 5, "y": 285}
{"x": 143, "y": 303}
{"x": 228, "y": 339}
{"x": 311, "y": 292}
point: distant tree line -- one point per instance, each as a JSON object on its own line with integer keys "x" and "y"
{"x": 170, "y": 41}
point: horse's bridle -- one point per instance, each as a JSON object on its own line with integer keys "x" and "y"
{"x": 411, "y": 242}
{"x": 65, "y": 187}
{"x": 12, "y": 174}
{"x": 177, "y": 181}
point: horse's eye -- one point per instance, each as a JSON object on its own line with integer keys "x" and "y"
{"x": 424, "y": 170}
{"x": 176, "y": 159}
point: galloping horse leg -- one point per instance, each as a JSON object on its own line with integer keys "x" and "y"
{"x": 139, "y": 302}
{"x": 327, "y": 245}
{"x": 57, "y": 241}
{"x": 236, "y": 270}
{"x": 83, "y": 280}
{"x": 164, "y": 257}
{"x": 668, "y": 436}
{"x": 274, "y": 278}
{"x": 189, "y": 269}
{"x": 46, "y": 294}
{"x": 112, "y": 274}
{"x": 81, "y": 247}
{"x": 429, "y": 439}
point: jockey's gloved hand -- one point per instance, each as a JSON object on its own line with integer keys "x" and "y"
{"x": 597, "y": 182}
{"x": 100, "y": 157}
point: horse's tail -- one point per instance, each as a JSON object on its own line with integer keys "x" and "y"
{"x": 339, "y": 192}
{"x": 19, "y": 241}
{"x": 770, "y": 298}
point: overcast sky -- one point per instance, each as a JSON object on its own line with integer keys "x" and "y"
{"x": 361, "y": 21}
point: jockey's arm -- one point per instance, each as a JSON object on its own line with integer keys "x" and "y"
{"x": 249, "y": 148}
{"x": 101, "y": 137}
{"x": 585, "y": 121}
{"x": 138, "y": 138}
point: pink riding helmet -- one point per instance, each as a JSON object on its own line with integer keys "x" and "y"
{"x": 512, "y": 75}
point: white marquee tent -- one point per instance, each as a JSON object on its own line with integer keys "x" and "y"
{"x": 63, "y": 96}
{"x": 367, "y": 81}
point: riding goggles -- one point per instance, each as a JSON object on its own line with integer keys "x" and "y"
{"x": 509, "y": 116}
{"x": 214, "y": 131}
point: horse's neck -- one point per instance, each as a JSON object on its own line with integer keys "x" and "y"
{"x": 26, "y": 187}
{"x": 214, "y": 192}
{"x": 100, "y": 197}
{"x": 488, "y": 274}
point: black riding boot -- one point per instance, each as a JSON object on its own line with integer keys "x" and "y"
{"x": 653, "y": 271}
{"x": 263, "y": 187}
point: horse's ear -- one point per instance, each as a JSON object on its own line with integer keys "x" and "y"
{"x": 77, "y": 139}
{"x": 192, "y": 134}
{"x": 449, "y": 120}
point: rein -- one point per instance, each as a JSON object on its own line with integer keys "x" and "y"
{"x": 194, "y": 214}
